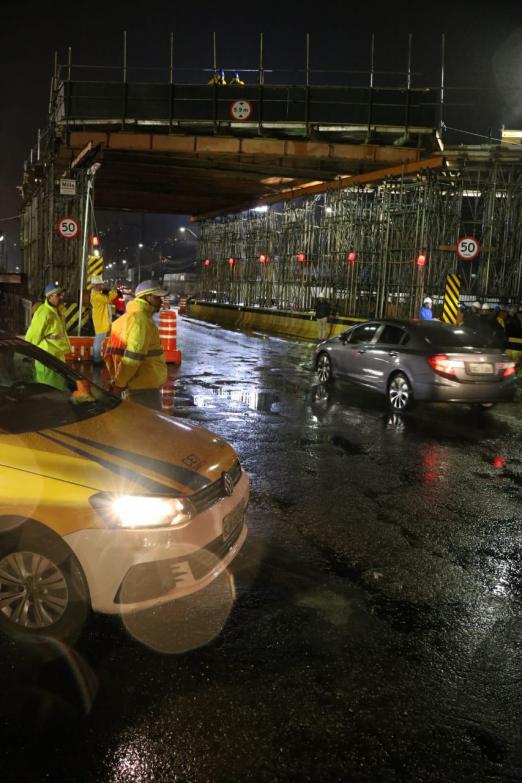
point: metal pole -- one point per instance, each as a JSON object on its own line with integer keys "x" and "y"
{"x": 214, "y": 52}
{"x": 125, "y": 55}
{"x": 408, "y": 86}
{"x": 171, "y": 69}
{"x": 84, "y": 250}
{"x": 307, "y": 104}
{"x": 260, "y": 88}
{"x": 261, "y": 70}
{"x": 69, "y": 63}
{"x": 442, "y": 66}
{"x": 372, "y": 76}
{"x": 38, "y": 138}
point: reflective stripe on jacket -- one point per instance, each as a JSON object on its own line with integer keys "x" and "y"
{"x": 101, "y": 310}
{"x": 134, "y": 356}
{"x": 47, "y": 330}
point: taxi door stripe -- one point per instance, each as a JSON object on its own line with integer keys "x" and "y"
{"x": 189, "y": 478}
{"x": 149, "y": 484}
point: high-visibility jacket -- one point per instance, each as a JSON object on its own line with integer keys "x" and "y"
{"x": 101, "y": 310}
{"x": 133, "y": 355}
{"x": 47, "y": 330}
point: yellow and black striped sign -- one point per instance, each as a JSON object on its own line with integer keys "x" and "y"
{"x": 450, "y": 307}
{"x": 71, "y": 316}
{"x": 94, "y": 267}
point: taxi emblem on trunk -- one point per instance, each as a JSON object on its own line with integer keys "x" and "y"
{"x": 228, "y": 484}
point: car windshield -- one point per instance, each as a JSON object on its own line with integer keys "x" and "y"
{"x": 445, "y": 336}
{"x": 37, "y": 391}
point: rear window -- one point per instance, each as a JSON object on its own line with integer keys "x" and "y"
{"x": 445, "y": 336}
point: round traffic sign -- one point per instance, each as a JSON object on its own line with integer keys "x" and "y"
{"x": 468, "y": 248}
{"x": 68, "y": 227}
{"x": 241, "y": 110}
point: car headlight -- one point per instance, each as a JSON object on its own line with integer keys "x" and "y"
{"x": 143, "y": 511}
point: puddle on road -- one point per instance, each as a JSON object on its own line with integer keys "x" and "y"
{"x": 250, "y": 396}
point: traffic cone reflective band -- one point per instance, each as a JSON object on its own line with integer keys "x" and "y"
{"x": 450, "y": 307}
{"x": 167, "y": 395}
{"x": 167, "y": 331}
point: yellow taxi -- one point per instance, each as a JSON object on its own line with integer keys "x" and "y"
{"x": 104, "y": 503}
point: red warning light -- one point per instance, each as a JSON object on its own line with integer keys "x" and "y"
{"x": 231, "y": 262}
{"x": 301, "y": 258}
{"x": 95, "y": 242}
{"x": 263, "y": 259}
{"x": 421, "y": 259}
{"x": 207, "y": 262}
{"x": 352, "y": 257}
{"x": 499, "y": 461}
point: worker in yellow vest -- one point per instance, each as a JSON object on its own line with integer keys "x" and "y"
{"x": 101, "y": 298}
{"x": 47, "y": 331}
{"x": 134, "y": 355}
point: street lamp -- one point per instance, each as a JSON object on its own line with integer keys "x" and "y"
{"x": 184, "y": 228}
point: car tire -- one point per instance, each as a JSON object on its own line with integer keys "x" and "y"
{"x": 324, "y": 368}
{"x": 482, "y": 407}
{"x": 399, "y": 393}
{"x": 43, "y": 591}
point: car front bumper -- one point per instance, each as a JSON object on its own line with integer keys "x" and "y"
{"x": 129, "y": 570}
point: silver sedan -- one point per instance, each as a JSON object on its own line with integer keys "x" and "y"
{"x": 418, "y": 361}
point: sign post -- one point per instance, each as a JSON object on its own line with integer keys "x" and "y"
{"x": 68, "y": 227}
{"x": 468, "y": 248}
{"x": 241, "y": 110}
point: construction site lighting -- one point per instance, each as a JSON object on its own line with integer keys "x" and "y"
{"x": 352, "y": 257}
{"x": 421, "y": 259}
{"x": 262, "y": 208}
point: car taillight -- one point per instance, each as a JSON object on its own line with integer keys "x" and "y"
{"x": 509, "y": 370}
{"x": 443, "y": 365}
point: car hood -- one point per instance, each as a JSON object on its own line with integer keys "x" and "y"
{"x": 129, "y": 449}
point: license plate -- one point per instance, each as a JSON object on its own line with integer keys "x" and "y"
{"x": 233, "y": 521}
{"x": 481, "y": 369}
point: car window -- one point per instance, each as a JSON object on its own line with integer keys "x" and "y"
{"x": 363, "y": 334}
{"x": 393, "y": 335}
{"x": 446, "y": 336}
{"x": 37, "y": 391}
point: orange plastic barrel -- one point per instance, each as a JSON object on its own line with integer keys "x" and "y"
{"x": 81, "y": 349}
{"x": 167, "y": 395}
{"x": 182, "y": 307}
{"x": 167, "y": 330}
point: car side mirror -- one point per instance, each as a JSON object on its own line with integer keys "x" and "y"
{"x": 343, "y": 338}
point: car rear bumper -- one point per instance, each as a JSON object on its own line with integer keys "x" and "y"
{"x": 450, "y": 391}
{"x": 130, "y": 570}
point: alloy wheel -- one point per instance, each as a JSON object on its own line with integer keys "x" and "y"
{"x": 399, "y": 394}
{"x": 33, "y": 590}
{"x": 324, "y": 368}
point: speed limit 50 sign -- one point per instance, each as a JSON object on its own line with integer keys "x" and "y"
{"x": 468, "y": 248}
{"x": 68, "y": 227}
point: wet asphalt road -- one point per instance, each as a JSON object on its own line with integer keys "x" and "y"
{"x": 372, "y": 627}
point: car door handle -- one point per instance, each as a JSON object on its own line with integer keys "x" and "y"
{"x": 393, "y": 353}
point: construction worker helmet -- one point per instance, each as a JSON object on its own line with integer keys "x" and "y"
{"x": 53, "y": 288}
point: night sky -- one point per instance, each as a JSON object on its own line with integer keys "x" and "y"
{"x": 483, "y": 46}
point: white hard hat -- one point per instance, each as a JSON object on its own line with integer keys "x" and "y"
{"x": 485, "y": 306}
{"x": 97, "y": 280}
{"x": 428, "y": 300}
{"x": 476, "y": 304}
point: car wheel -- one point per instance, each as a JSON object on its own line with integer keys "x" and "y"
{"x": 400, "y": 396}
{"x": 483, "y": 406}
{"x": 324, "y": 368}
{"x": 42, "y": 587}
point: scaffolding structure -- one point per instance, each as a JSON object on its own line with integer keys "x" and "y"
{"x": 374, "y": 250}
